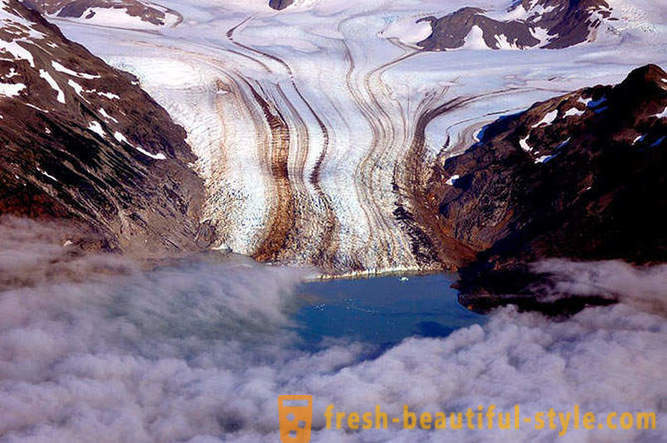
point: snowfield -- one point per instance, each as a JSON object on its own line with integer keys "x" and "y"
{"x": 305, "y": 121}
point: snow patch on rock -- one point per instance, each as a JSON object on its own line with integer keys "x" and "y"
{"x": 96, "y": 127}
{"x": 548, "y": 119}
{"x": 11, "y": 89}
{"x": 573, "y": 112}
{"x": 50, "y": 80}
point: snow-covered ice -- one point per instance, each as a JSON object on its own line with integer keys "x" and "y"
{"x": 346, "y": 83}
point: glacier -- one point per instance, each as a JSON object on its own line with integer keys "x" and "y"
{"x": 313, "y": 126}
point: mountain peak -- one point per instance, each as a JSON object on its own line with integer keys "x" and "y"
{"x": 649, "y": 74}
{"x": 81, "y": 140}
{"x": 650, "y": 78}
{"x": 280, "y": 4}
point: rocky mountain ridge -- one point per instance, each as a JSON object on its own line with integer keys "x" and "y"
{"x": 549, "y": 24}
{"x": 82, "y": 141}
{"x": 280, "y": 4}
{"x": 283, "y": 182}
{"x": 578, "y": 176}
{"x": 119, "y": 12}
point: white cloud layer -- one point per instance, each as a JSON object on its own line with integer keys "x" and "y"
{"x": 200, "y": 353}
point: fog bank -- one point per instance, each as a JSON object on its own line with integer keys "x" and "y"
{"x": 199, "y": 352}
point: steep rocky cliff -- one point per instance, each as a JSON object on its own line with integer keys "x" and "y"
{"x": 578, "y": 176}
{"x": 280, "y": 4}
{"x": 550, "y": 24}
{"x": 82, "y": 141}
{"x": 325, "y": 158}
{"x": 122, "y": 13}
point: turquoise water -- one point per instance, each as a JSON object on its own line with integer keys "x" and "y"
{"x": 381, "y": 311}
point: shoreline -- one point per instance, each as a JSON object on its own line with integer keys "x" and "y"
{"x": 369, "y": 274}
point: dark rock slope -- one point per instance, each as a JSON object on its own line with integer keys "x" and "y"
{"x": 87, "y": 9}
{"x": 80, "y": 140}
{"x": 549, "y": 24}
{"x": 579, "y": 176}
{"x": 280, "y": 4}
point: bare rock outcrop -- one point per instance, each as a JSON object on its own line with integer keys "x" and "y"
{"x": 578, "y": 176}
{"x": 82, "y": 141}
{"x": 551, "y": 24}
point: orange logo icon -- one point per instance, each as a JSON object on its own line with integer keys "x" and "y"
{"x": 296, "y": 418}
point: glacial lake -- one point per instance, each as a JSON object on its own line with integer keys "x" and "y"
{"x": 381, "y": 311}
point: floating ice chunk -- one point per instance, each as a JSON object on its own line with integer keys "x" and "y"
{"x": 548, "y": 119}
{"x": 452, "y": 180}
{"x": 60, "y": 68}
{"x": 96, "y": 127}
{"x": 50, "y": 80}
